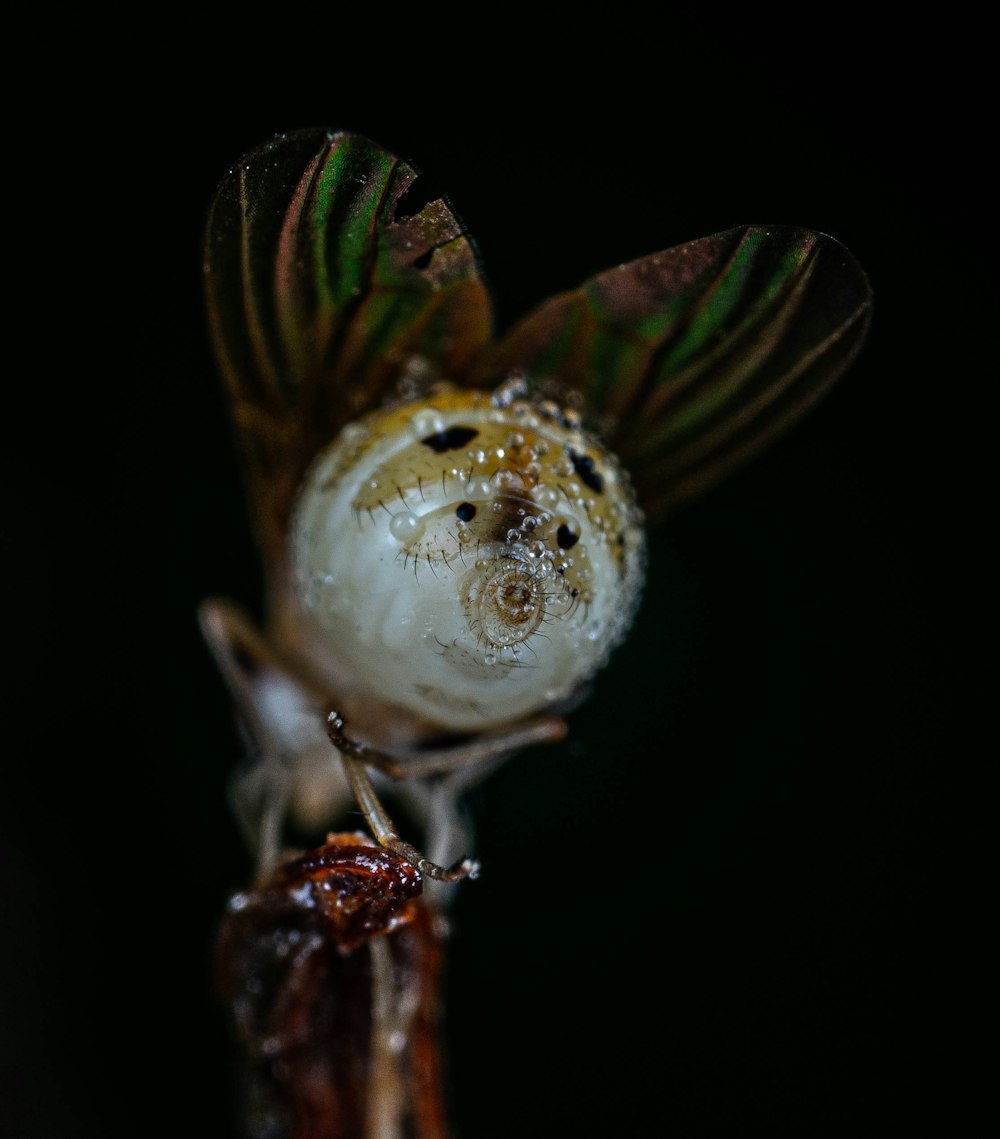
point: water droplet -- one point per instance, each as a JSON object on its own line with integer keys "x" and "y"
{"x": 545, "y": 495}
{"x": 478, "y": 489}
{"x": 490, "y": 658}
{"x": 514, "y": 387}
{"x": 405, "y": 526}
{"x": 427, "y": 421}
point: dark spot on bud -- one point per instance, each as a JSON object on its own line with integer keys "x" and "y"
{"x": 449, "y": 440}
{"x": 584, "y": 467}
{"x": 465, "y": 511}
{"x": 566, "y": 538}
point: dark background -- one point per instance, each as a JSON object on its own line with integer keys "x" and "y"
{"x": 721, "y": 904}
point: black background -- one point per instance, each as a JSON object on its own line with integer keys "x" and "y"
{"x": 720, "y": 905}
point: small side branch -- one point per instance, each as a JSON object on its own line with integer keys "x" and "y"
{"x": 354, "y": 755}
{"x": 469, "y": 753}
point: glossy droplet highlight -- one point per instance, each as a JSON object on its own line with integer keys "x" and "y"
{"x": 405, "y": 526}
{"x": 427, "y": 421}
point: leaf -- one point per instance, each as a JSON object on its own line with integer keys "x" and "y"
{"x": 324, "y": 293}
{"x": 690, "y": 360}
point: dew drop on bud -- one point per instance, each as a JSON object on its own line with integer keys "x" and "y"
{"x": 427, "y": 421}
{"x": 405, "y": 526}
